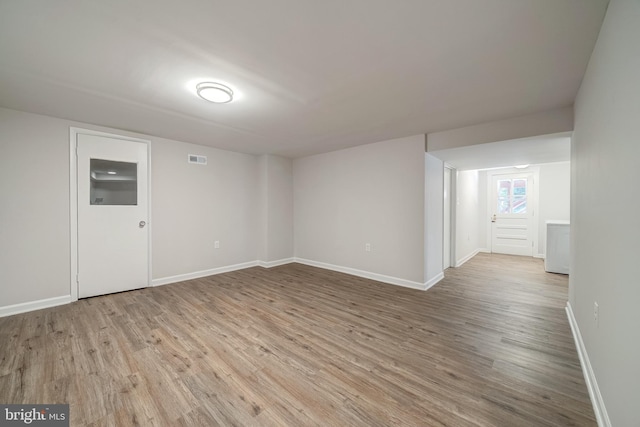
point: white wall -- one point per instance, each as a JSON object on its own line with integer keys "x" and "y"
{"x": 554, "y": 198}
{"x": 484, "y": 222}
{"x": 34, "y": 212}
{"x": 448, "y": 221}
{"x": 367, "y": 194}
{"x": 195, "y": 205}
{"x": 543, "y": 123}
{"x": 263, "y": 206}
{"x": 468, "y": 215}
{"x": 372, "y": 194}
{"x": 277, "y": 208}
{"x": 434, "y": 210}
{"x": 604, "y": 212}
{"x": 192, "y": 206}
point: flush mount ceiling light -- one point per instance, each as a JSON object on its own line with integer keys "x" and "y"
{"x": 214, "y": 92}
{"x": 521, "y": 166}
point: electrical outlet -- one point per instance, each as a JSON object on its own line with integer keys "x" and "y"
{"x": 595, "y": 312}
{"x": 216, "y": 244}
{"x": 367, "y": 247}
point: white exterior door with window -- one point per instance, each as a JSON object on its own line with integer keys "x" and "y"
{"x": 513, "y": 214}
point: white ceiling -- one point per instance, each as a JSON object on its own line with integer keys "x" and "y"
{"x": 526, "y": 151}
{"x": 313, "y": 76}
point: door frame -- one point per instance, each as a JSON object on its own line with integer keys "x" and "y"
{"x": 452, "y": 215}
{"x": 73, "y": 201}
{"x": 535, "y": 171}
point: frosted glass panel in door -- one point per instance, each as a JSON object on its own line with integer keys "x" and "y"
{"x": 113, "y": 183}
{"x": 511, "y": 196}
{"x": 519, "y": 204}
{"x": 504, "y": 196}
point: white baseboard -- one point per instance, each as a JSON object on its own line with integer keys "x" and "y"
{"x": 486, "y": 251}
{"x": 52, "y": 302}
{"x": 269, "y": 264}
{"x": 219, "y": 270}
{"x": 34, "y": 305}
{"x": 434, "y": 280}
{"x": 202, "y": 273}
{"x": 366, "y": 274}
{"x": 467, "y": 258}
{"x": 592, "y": 385}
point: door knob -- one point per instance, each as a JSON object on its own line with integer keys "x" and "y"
{"x": 142, "y": 224}
{"x": 493, "y": 218}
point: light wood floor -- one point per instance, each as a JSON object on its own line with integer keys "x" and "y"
{"x": 294, "y": 345}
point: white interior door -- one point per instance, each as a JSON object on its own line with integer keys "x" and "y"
{"x": 113, "y": 238}
{"x": 512, "y": 218}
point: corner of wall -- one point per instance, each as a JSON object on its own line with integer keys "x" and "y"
{"x": 433, "y": 218}
{"x": 599, "y": 409}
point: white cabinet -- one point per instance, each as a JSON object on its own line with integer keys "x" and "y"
{"x": 557, "y": 256}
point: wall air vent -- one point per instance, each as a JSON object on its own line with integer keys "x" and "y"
{"x": 196, "y": 159}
